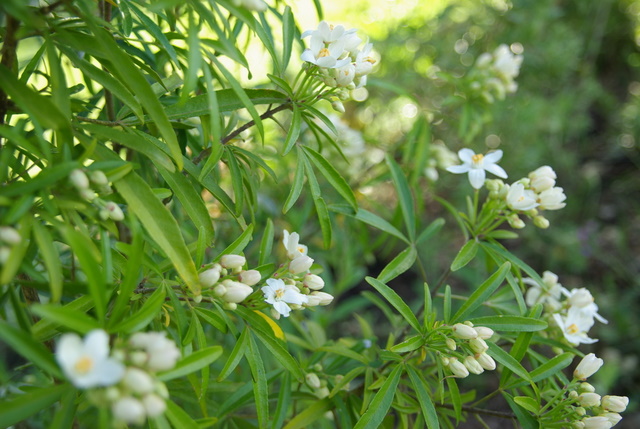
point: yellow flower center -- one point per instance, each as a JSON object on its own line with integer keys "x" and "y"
{"x": 324, "y": 52}
{"x": 372, "y": 61}
{"x": 279, "y": 293}
{"x": 477, "y": 158}
{"x": 300, "y": 249}
{"x": 573, "y": 329}
{"x": 83, "y": 365}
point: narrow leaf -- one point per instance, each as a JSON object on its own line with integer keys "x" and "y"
{"x": 24, "y": 344}
{"x": 397, "y": 302}
{"x": 192, "y": 363}
{"x": 404, "y": 195}
{"x": 381, "y": 403}
{"x": 309, "y": 414}
{"x": 424, "y": 398}
{"x": 510, "y": 323}
{"x": 332, "y": 176}
{"x": 465, "y": 255}
{"x": 145, "y": 315}
{"x": 482, "y": 294}
{"x": 401, "y": 263}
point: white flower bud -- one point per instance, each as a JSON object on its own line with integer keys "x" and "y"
{"x": 300, "y": 264}
{"x": 154, "y": 405}
{"x": 232, "y": 261}
{"x": 573, "y": 395}
{"x": 451, "y": 344}
{"x": 236, "y": 291}
{"x": 541, "y": 222}
{"x": 617, "y": 404}
{"x": 139, "y": 358}
{"x": 249, "y": 277}
{"x": 445, "y": 360}
{"x": 589, "y": 399}
{"x": 161, "y": 389}
{"x": 313, "y": 381}
{"x": 88, "y": 194}
{"x": 163, "y": 352}
{"x": 4, "y": 254}
{"x": 588, "y": 366}
{"x": 457, "y": 368}
{"x": 515, "y": 222}
{"x": 580, "y": 298}
{"x": 114, "y": 211}
{"x": 586, "y": 387}
{"x": 464, "y": 332}
{"x": 472, "y": 365}
{"x": 552, "y": 199}
{"x": 324, "y": 298}
{"x": 597, "y": 422}
{"x": 219, "y": 290}
{"x": 478, "y": 345}
{"x": 79, "y": 179}
{"x": 614, "y": 418}
{"x": 484, "y": 332}
{"x": 209, "y": 277}
{"x": 581, "y": 411}
{"x": 128, "y": 410}
{"x": 313, "y": 281}
{"x": 99, "y": 178}
{"x": 577, "y": 425}
{"x": 10, "y": 235}
{"x": 322, "y": 392}
{"x": 486, "y": 361}
{"x": 138, "y": 381}
{"x": 542, "y": 178}
{"x": 230, "y": 306}
{"x": 112, "y": 393}
{"x": 338, "y": 106}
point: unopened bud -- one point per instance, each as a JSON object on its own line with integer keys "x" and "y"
{"x": 614, "y": 418}
{"x": 515, "y": 222}
{"x": 324, "y": 298}
{"x": 236, "y": 291}
{"x": 128, "y": 410}
{"x": 478, "y": 345}
{"x": 79, "y": 179}
{"x": 230, "y": 306}
{"x": 484, "y": 332}
{"x": 99, "y": 178}
{"x": 249, "y": 277}
{"x": 588, "y": 366}
{"x": 232, "y": 261}
{"x": 617, "y": 404}
{"x": 586, "y": 387}
{"x": 589, "y": 400}
{"x": 313, "y": 381}
{"x": 581, "y": 411}
{"x": 300, "y": 264}
{"x": 472, "y": 365}
{"x": 88, "y": 194}
{"x": 338, "y": 106}
{"x": 457, "y": 368}
{"x": 114, "y": 211}
{"x": 486, "y": 361}
{"x": 541, "y": 222}
{"x": 463, "y": 331}
{"x": 5, "y": 252}
{"x": 451, "y": 344}
{"x": 138, "y": 381}
{"x": 154, "y": 405}
{"x": 209, "y": 277}
{"x": 10, "y": 235}
{"x": 313, "y": 281}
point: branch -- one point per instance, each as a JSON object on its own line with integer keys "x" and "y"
{"x": 8, "y": 53}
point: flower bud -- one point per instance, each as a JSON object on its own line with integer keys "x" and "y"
{"x": 236, "y": 291}
{"x": 451, "y": 344}
{"x": 338, "y": 106}
{"x": 588, "y": 366}
{"x": 99, "y": 178}
{"x": 230, "y": 306}
{"x": 573, "y": 395}
{"x": 10, "y": 235}
{"x": 577, "y": 425}
{"x": 472, "y": 365}
{"x": 541, "y": 222}
{"x": 617, "y": 404}
{"x": 88, "y": 194}
{"x": 580, "y": 298}
{"x": 209, "y": 277}
{"x": 597, "y": 422}
{"x": 161, "y": 389}
{"x": 478, "y": 345}
{"x": 313, "y": 281}
{"x": 614, "y": 418}
{"x": 79, "y": 179}
{"x": 154, "y": 405}
{"x": 322, "y": 392}
{"x": 515, "y": 222}
{"x": 138, "y": 381}
{"x": 324, "y": 298}
{"x": 464, "y": 332}
{"x": 445, "y": 360}
{"x": 128, "y": 410}
{"x": 486, "y": 361}
{"x": 313, "y": 381}
{"x": 232, "y": 261}
{"x": 457, "y": 368}
{"x": 114, "y": 211}
{"x": 586, "y": 387}
{"x": 219, "y": 290}
{"x": 4, "y": 254}
{"x": 300, "y": 264}
{"x": 589, "y": 399}
{"x": 580, "y": 411}
{"x": 484, "y": 332}
{"x": 249, "y": 277}
{"x": 139, "y": 358}
{"x": 112, "y": 393}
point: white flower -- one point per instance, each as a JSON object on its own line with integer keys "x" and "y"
{"x": 506, "y": 62}
{"x": 87, "y": 363}
{"x": 325, "y": 56}
{"x": 138, "y": 381}
{"x": 519, "y": 198}
{"x": 614, "y": 418}
{"x": 552, "y": 199}
{"x": 581, "y": 300}
{"x": 575, "y": 326}
{"x": 617, "y": 404}
{"x": 477, "y": 164}
{"x": 486, "y": 361}
{"x": 257, "y": 5}
{"x": 300, "y": 264}
{"x": 211, "y": 276}
{"x": 589, "y": 365}
{"x": 162, "y": 352}
{"x": 319, "y": 298}
{"x": 589, "y": 399}
{"x": 79, "y": 179}
{"x": 344, "y": 75}
{"x": 249, "y": 277}
{"x": 364, "y": 61}
{"x": 128, "y": 410}
{"x": 235, "y": 292}
{"x": 548, "y": 294}
{"x": 542, "y": 178}
{"x": 597, "y": 422}
{"x": 280, "y": 295}
{"x": 484, "y": 332}
{"x": 292, "y": 244}
{"x": 154, "y": 405}
{"x": 313, "y": 281}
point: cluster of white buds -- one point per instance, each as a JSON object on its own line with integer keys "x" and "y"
{"x": 440, "y": 156}
{"x": 229, "y": 281}
{"x": 336, "y": 53}
{"x": 293, "y": 286}
{"x": 9, "y": 238}
{"x": 317, "y": 383}
{"x": 529, "y": 196}
{"x": 96, "y": 178}
{"x": 595, "y": 411}
{"x": 256, "y": 5}
{"x": 574, "y": 316}
{"x": 493, "y": 75}
{"x": 472, "y": 350}
{"x": 123, "y": 379}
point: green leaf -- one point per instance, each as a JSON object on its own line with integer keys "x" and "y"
{"x": 510, "y": 323}
{"x": 192, "y": 363}
{"x": 242, "y": 344}
{"x": 51, "y": 259}
{"x": 343, "y": 350}
{"x": 145, "y": 315}
{"x": 298, "y": 182}
{"x": 456, "y": 400}
{"x": 154, "y": 30}
{"x": 508, "y": 361}
{"x": 288, "y": 31}
{"x": 397, "y": 302}
{"x": 332, "y": 176}
{"x": 508, "y": 256}
{"x": 527, "y": 403}
{"x": 409, "y": 345}
{"x": 266, "y": 244}
{"x": 424, "y": 398}
{"x": 45, "y": 178}
{"x": 324, "y": 219}
{"x": 553, "y": 366}
{"x": 212, "y": 318}
{"x": 526, "y": 420}
{"x": 131, "y": 273}
{"x": 401, "y": 263}
{"x": 161, "y": 226}
{"x": 260, "y": 390}
{"x": 294, "y": 130}
{"x": 404, "y": 195}
{"x": 381, "y": 403}
{"x": 32, "y": 351}
{"x": 482, "y": 293}
{"x": 67, "y": 317}
{"x": 18, "y": 408}
{"x": 178, "y": 417}
{"x": 239, "y": 243}
{"x": 433, "y": 228}
{"x": 284, "y": 401}
{"x": 280, "y": 352}
{"x": 465, "y": 255}
{"x": 310, "y": 414}
{"x": 44, "y": 329}
{"x": 370, "y": 219}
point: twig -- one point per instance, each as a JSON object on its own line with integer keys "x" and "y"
{"x": 8, "y": 52}
{"x": 100, "y": 122}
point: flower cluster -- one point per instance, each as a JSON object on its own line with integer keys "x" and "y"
{"x": 293, "y": 286}
{"x": 574, "y": 316}
{"x": 228, "y": 280}
{"x": 100, "y": 182}
{"x": 9, "y": 238}
{"x": 440, "y": 156}
{"x": 335, "y": 52}
{"x": 472, "y": 350}
{"x": 123, "y": 379}
{"x": 494, "y": 73}
{"x": 594, "y": 411}
{"x": 475, "y": 164}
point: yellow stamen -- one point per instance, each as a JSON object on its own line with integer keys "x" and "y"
{"x": 370, "y": 60}
{"x": 300, "y": 249}
{"x": 573, "y": 329}
{"x": 279, "y": 293}
{"x": 324, "y": 52}
{"x": 84, "y": 365}
{"x": 477, "y": 158}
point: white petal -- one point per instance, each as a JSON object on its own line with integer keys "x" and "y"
{"x": 109, "y": 372}
{"x": 308, "y": 56}
{"x": 97, "y": 343}
{"x": 343, "y": 62}
{"x": 69, "y": 349}
{"x": 326, "y": 62}
{"x": 459, "y": 169}
{"x": 495, "y": 169}
{"x": 282, "y": 308}
{"x": 493, "y": 157}
{"x": 476, "y": 177}
{"x": 466, "y": 155}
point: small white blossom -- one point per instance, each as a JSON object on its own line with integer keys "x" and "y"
{"x": 300, "y": 264}
{"x": 138, "y": 381}
{"x": 617, "y": 404}
{"x": 582, "y": 301}
{"x": 154, "y": 405}
{"x": 542, "y": 178}
{"x": 280, "y": 296}
{"x": 292, "y": 244}
{"x": 162, "y": 352}
{"x": 519, "y": 198}
{"x": 551, "y": 199}
{"x": 597, "y": 422}
{"x": 128, "y": 410}
{"x": 548, "y": 293}
{"x": 589, "y": 365}
{"x": 325, "y": 55}
{"x": 472, "y": 365}
{"x": 477, "y": 164}
{"x": 575, "y": 326}
{"x": 87, "y": 363}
